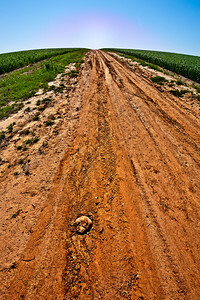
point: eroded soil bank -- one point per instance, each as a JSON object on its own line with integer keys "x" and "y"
{"x": 126, "y": 155}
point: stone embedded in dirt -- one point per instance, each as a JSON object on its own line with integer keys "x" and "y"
{"x": 83, "y": 224}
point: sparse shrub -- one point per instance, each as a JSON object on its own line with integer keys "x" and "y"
{"x": 19, "y": 147}
{"x": 52, "y": 87}
{"x": 10, "y": 127}
{"x": 19, "y": 106}
{"x": 36, "y": 118}
{"x": 179, "y": 82}
{"x": 26, "y": 132}
{"x": 17, "y": 212}
{"x": 21, "y": 161}
{"x": 2, "y": 135}
{"x": 178, "y": 93}
{"x": 197, "y": 88}
{"x": 31, "y": 141}
{"x": 154, "y": 67}
{"x": 28, "y": 109}
{"x": 35, "y": 140}
{"x": 49, "y": 123}
{"x": 143, "y": 63}
{"x": 73, "y": 74}
{"x": 45, "y": 144}
{"x": 59, "y": 89}
{"x": 46, "y": 100}
{"x": 158, "y": 79}
{"x": 38, "y": 102}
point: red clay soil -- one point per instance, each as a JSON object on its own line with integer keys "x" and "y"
{"x": 132, "y": 166}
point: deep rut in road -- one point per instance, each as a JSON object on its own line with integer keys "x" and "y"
{"x": 133, "y": 168}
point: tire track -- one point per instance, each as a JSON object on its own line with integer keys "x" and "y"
{"x": 133, "y": 167}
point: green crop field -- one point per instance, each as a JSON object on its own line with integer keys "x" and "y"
{"x": 19, "y": 85}
{"x": 14, "y": 60}
{"x": 186, "y": 65}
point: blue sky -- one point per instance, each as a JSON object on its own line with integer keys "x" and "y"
{"x": 172, "y": 25}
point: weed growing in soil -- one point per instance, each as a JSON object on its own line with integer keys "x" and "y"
{"x": 179, "y": 82}
{"x": 26, "y": 132}
{"x": 46, "y": 100}
{"x": 73, "y": 74}
{"x": 2, "y": 136}
{"x": 49, "y": 123}
{"x": 28, "y": 109}
{"x": 197, "y": 88}
{"x": 198, "y": 97}
{"x": 178, "y": 93}
{"x": 10, "y": 127}
{"x": 158, "y": 79}
{"x": 21, "y": 161}
{"x": 31, "y": 141}
{"x": 36, "y": 118}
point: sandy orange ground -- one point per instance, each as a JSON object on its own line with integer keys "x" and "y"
{"x": 126, "y": 155}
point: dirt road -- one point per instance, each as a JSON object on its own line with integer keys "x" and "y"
{"x": 133, "y": 167}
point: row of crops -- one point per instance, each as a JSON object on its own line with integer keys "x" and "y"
{"x": 186, "y": 65}
{"x": 14, "y": 60}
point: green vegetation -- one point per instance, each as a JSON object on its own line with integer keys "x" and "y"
{"x": 31, "y": 141}
{"x": 186, "y": 65}
{"x": 26, "y": 131}
{"x": 158, "y": 79}
{"x": 179, "y": 82}
{"x": 2, "y": 135}
{"x": 14, "y": 60}
{"x": 73, "y": 73}
{"x": 19, "y": 85}
{"x": 49, "y": 123}
{"x": 178, "y": 93}
{"x": 197, "y": 88}
{"x": 35, "y": 118}
{"x": 10, "y": 127}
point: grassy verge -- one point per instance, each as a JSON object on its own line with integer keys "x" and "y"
{"x": 14, "y": 60}
{"x": 186, "y": 65}
{"x": 19, "y": 85}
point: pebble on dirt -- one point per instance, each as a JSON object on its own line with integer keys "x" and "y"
{"x": 83, "y": 224}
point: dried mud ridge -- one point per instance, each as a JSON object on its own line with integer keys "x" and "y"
{"x": 132, "y": 166}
